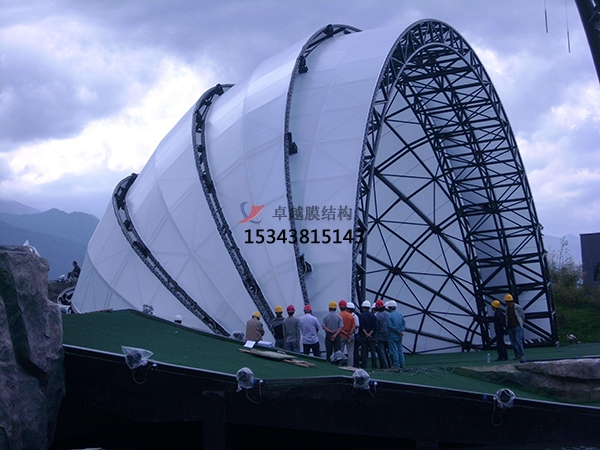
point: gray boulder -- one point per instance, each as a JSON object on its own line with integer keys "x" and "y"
{"x": 570, "y": 380}
{"x": 31, "y": 355}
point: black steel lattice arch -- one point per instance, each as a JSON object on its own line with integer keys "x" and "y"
{"x": 443, "y": 197}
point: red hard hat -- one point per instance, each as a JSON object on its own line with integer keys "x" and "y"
{"x": 343, "y": 304}
{"x": 379, "y": 304}
{"x": 307, "y": 308}
{"x": 291, "y": 309}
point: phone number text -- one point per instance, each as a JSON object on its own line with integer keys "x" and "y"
{"x": 303, "y": 236}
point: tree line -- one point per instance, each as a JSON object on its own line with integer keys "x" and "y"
{"x": 577, "y": 304}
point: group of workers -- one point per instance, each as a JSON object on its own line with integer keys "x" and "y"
{"x": 376, "y": 332}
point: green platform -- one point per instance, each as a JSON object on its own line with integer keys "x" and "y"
{"x": 175, "y": 344}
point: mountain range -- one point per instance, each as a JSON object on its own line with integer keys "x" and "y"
{"x": 58, "y": 236}
{"x": 62, "y": 237}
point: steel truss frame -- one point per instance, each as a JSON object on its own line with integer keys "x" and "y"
{"x": 444, "y": 201}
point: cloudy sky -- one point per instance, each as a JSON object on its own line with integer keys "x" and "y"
{"x": 89, "y": 88}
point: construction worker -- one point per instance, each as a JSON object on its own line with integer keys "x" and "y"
{"x": 381, "y": 342}
{"x": 254, "y": 328}
{"x": 309, "y": 327}
{"x": 367, "y": 335}
{"x": 347, "y": 333}
{"x": 291, "y": 331}
{"x": 396, "y": 327}
{"x": 278, "y": 327}
{"x": 515, "y": 318}
{"x": 332, "y": 324}
{"x": 500, "y": 329}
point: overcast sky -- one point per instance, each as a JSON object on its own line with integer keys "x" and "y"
{"x": 89, "y": 88}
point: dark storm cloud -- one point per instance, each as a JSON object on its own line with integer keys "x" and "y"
{"x": 58, "y": 75}
{"x": 41, "y": 100}
{"x": 55, "y": 92}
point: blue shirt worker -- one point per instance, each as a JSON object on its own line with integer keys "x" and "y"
{"x": 396, "y": 327}
{"x": 309, "y": 327}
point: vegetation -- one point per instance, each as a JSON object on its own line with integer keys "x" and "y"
{"x": 577, "y": 305}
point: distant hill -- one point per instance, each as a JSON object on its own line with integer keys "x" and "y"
{"x": 62, "y": 237}
{"x": 12, "y": 207}
{"x": 76, "y": 226}
{"x": 58, "y": 236}
{"x": 59, "y": 252}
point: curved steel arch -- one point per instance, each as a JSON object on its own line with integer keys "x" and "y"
{"x": 119, "y": 202}
{"x": 252, "y": 286}
{"x": 444, "y": 201}
{"x": 290, "y": 148}
{"x": 201, "y": 111}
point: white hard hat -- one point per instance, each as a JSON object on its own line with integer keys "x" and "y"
{"x": 350, "y": 305}
{"x": 366, "y": 304}
{"x": 178, "y": 318}
{"x": 391, "y": 304}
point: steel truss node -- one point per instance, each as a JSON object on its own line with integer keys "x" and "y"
{"x": 444, "y": 200}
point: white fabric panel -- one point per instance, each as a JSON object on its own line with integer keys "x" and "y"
{"x": 169, "y": 210}
{"x": 245, "y": 147}
{"x": 114, "y": 277}
{"x": 330, "y": 107}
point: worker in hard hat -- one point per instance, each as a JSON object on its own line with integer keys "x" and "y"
{"x": 332, "y": 324}
{"x": 352, "y": 309}
{"x": 382, "y": 343}
{"x": 277, "y": 324}
{"x": 254, "y": 328}
{"x": 347, "y": 333}
{"x": 309, "y": 327}
{"x": 367, "y": 335}
{"x": 500, "y": 329}
{"x": 515, "y": 318}
{"x": 291, "y": 330}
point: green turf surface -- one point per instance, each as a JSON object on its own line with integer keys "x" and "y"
{"x": 175, "y": 344}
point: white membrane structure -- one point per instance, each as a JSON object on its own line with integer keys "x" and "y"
{"x": 352, "y": 165}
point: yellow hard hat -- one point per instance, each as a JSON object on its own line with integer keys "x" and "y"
{"x": 496, "y": 304}
{"x": 508, "y": 298}
{"x": 332, "y": 305}
{"x": 278, "y": 309}
{"x": 256, "y": 314}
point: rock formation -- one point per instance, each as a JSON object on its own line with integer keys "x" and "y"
{"x": 569, "y": 380}
{"x": 31, "y": 355}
